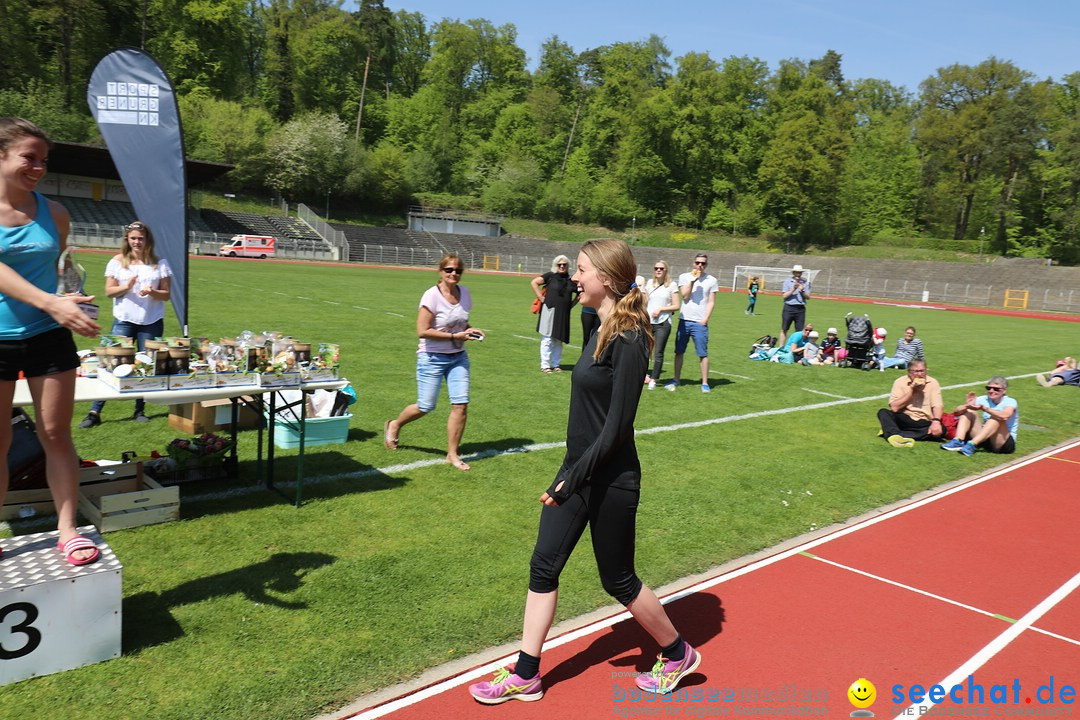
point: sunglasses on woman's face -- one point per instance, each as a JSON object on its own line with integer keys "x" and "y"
{"x": 454, "y": 270}
{"x": 995, "y": 388}
{"x": 561, "y": 265}
{"x": 659, "y": 267}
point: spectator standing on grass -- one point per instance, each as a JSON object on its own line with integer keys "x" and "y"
{"x": 139, "y": 284}
{"x": 915, "y": 408}
{"x": 664, "y": 299}
{"x": 795, "y": 292}
{"x": 36, "y": 324}
{"x": 908, "y": 348}
{"x": 598, "y": 483}
{"x": 559, "y": 296}
{"x": 442, "y": 324}
{"x": 752, "y": 290}
{"x": 995, "y": 429}
{"x": 697, "y": 289}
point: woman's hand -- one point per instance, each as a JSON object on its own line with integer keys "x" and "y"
{"x": 547, "y": 499}
{"x": 65, "y": 310}
{"x": 472, "y": 333}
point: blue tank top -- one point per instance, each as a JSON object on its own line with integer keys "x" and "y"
{"x": 32, "y": 251}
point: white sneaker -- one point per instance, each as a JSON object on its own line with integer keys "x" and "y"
{"x": 671, "y": 386}
{"x": 652, "y": 384}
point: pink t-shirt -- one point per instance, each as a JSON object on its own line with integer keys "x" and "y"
{"x": 448, "y": 318}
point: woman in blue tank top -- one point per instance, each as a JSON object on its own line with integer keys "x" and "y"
{"x": 36, "y": 324}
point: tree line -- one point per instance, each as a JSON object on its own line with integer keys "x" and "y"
{"x": 382, "y": 108}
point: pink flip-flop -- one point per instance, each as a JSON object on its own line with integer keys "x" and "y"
{"x": 76, "y": 544}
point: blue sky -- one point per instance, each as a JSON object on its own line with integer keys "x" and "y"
{"x": 900, "y": 41}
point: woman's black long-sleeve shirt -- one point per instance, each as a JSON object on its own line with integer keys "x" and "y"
{"x": 604, "y": 397}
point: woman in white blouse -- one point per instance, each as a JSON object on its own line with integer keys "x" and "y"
{"x": 139, "y": 283}
{"x": 664, "y": 299}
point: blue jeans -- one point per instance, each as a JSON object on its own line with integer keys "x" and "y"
{"x": 141, "y": 333}
{"x": 897, "y": 362}
{"x": 431, "y": 368}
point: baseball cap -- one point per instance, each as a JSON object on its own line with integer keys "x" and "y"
{"x": 814, "y": 334}
{"x": 830, "y": 331}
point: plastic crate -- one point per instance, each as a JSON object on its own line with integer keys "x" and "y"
{"x": 317, "y": 431}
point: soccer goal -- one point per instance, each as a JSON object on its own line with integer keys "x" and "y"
{"x": 769, "y": 278}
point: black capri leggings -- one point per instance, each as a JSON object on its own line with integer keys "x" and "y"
{"x": 611, "y": 514}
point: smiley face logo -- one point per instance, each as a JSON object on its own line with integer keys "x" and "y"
{"x": 862, "y": 693}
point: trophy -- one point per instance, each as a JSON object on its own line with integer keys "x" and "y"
{"x": 71, "y": 277}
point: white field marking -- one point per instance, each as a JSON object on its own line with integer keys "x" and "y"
{"x": 331, "y": 302}
{"x": 276, "y": 292}
{"x": 1002, "y": 641}
{"x": 301, "y": 297}
{"x": 819, "y": 392}
{"x": 526, "y": 337}
{"x": 475, "y": 673}
{"x": 387, "y": 312}
{"x": 357, "y": 307}
{"x": 937, "y": 597}
{"x": 741, "y": 377}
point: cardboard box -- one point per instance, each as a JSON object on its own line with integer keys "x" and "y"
{"x": 279, "y": 380}
{"x": 209, "y": 416}
{"x": 123, "y": 497}
{"x": 134, "y": 383}
{"x": 191, "y": 381}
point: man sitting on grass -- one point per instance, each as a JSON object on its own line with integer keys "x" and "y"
{"x": 995, "y": 430}
{"x": 915, "y": 408}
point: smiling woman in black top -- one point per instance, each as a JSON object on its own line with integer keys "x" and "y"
{"x": 599, "y": 481}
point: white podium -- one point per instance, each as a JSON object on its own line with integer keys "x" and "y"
{"x": 55, "y": 616}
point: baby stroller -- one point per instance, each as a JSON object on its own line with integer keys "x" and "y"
{"x": 859, "y": 344}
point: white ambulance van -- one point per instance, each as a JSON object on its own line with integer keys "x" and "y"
{"x": 253, "y": 246}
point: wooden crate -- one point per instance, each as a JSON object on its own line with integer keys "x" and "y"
{"x": 127, "y": 498}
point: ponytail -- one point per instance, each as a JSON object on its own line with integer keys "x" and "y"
{"x": 613, "y": 260}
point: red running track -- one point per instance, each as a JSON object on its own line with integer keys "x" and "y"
{"x": 972, "y": 588}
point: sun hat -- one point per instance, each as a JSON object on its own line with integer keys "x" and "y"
{"x": 797, "y": 268}
{"x": 830, "y": 331}
{"x": 814, "y": 334}
{"x": 881, "y": 332}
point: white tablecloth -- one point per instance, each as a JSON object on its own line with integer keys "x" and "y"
{"x": 91, "y": 389}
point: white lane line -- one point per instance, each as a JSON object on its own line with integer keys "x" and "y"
{"x": 357, "y": 307}
{"x": 741, "y": 377}
{"x": 819, "y": 392}
{"x": 394, "y": 314}
{"x": 301, "y": 297}
{"x": 526, "y": 337}
{"x": 276, "y": 292}
{"x": 999, "y": 643}
{"x": 331, "y": 302}
{"x": 475, "y": 673}
{"x": 902, "y": 586}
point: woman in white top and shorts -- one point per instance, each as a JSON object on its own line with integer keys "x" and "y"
{"x": 139, "y": 283}
{"x": 663, "y": 301}
{"x": 443, "y": 327}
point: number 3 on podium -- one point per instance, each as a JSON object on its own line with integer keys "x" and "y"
{"x": 31, "y": 636}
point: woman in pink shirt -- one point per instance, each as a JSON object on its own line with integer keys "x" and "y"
{"x": 443, "y": 328}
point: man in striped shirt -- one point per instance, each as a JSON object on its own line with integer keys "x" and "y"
{"x": 908, "y": 348}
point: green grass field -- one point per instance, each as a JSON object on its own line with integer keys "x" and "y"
{"x": 251, "y": 608}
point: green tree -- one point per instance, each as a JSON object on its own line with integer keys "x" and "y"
{"x": 307, "y": 156}
{"x": 966, "y": 131}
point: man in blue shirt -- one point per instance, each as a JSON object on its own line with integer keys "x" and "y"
{"x": 795, "y": 292}
{"x": 995, "y": 429}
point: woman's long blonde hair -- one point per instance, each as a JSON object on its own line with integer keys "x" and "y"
{"x": 126, "y": 255}
{"x": 614, "y": 262}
